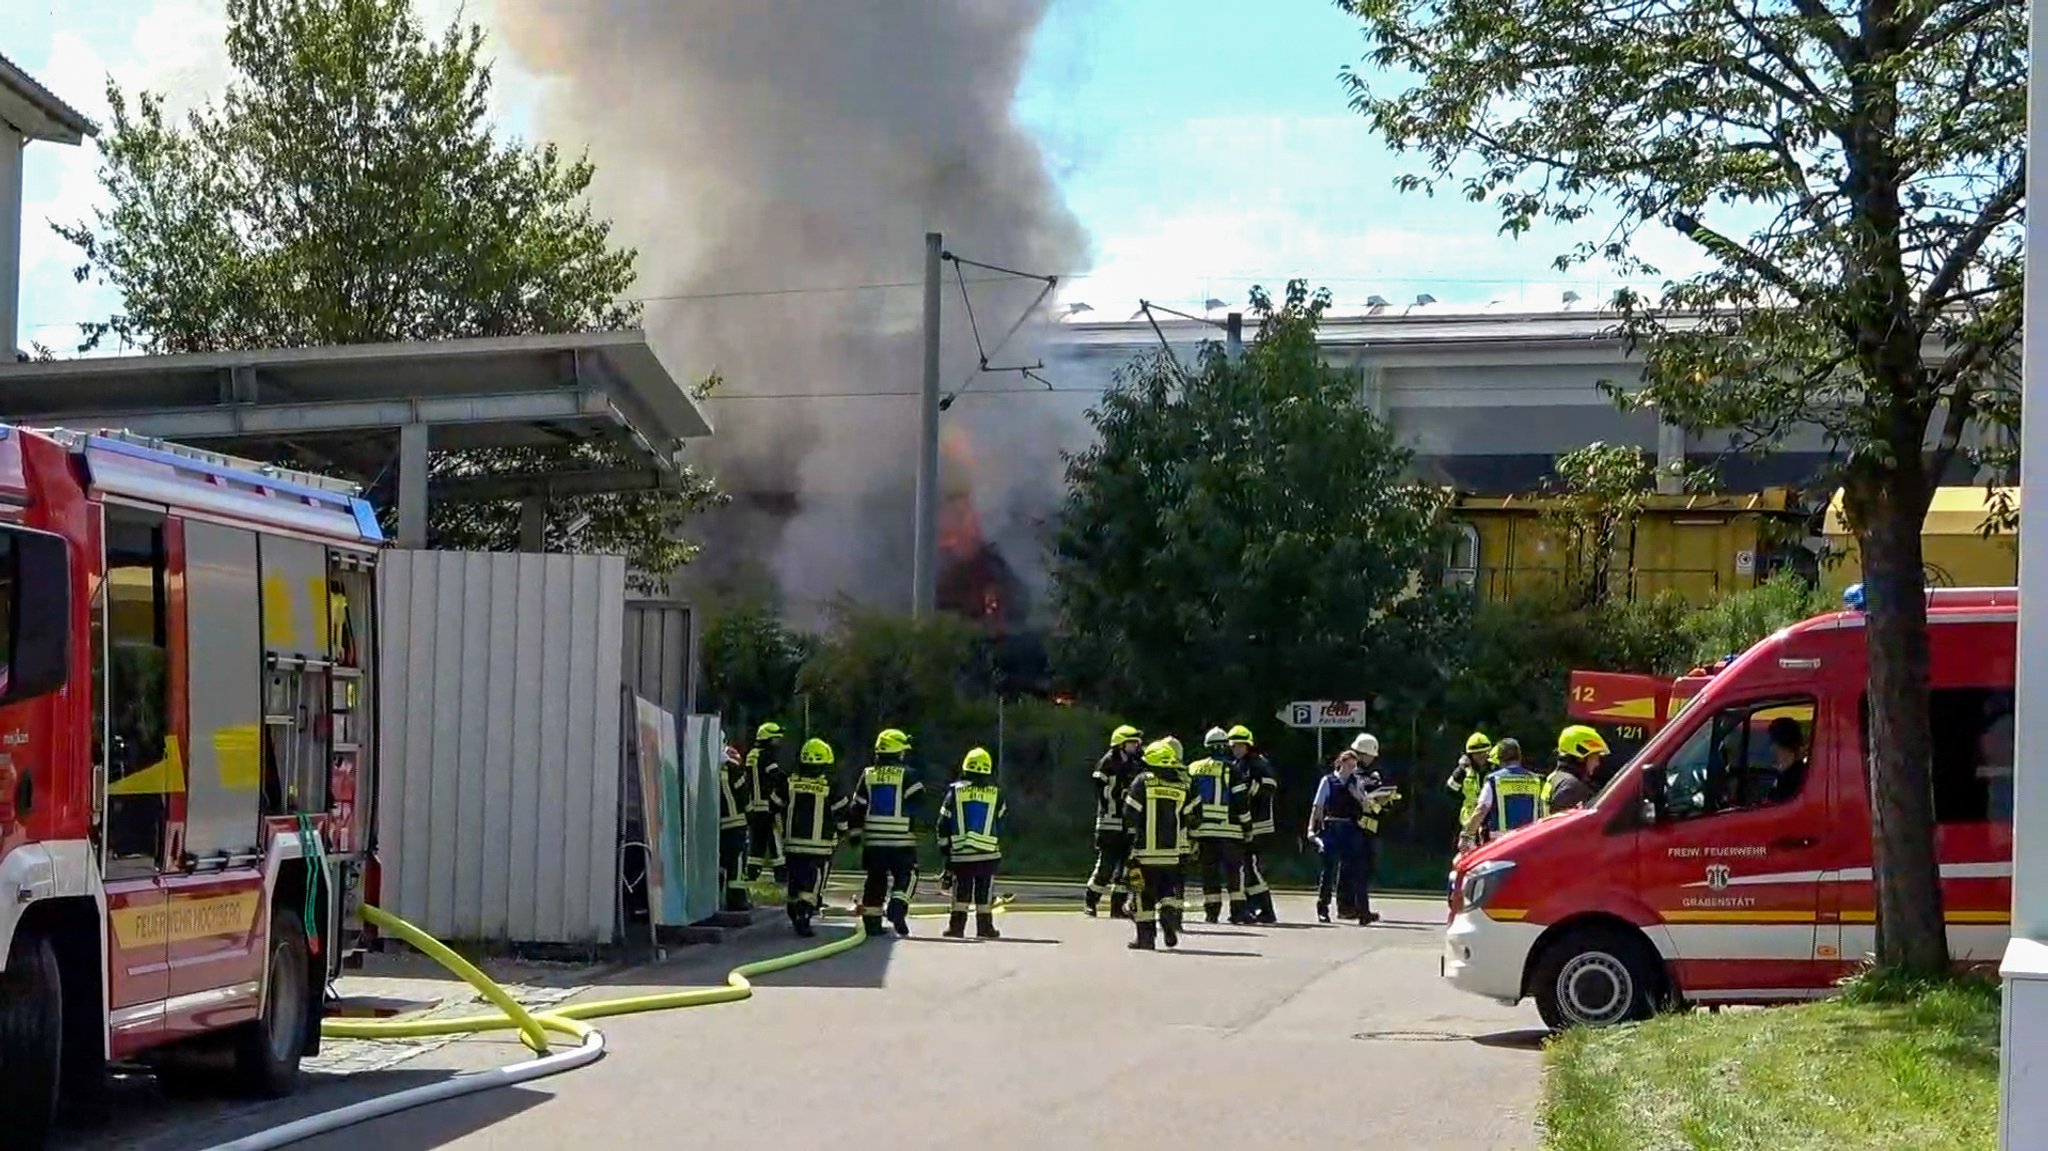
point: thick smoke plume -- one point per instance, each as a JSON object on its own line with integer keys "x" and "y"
{"x": 770, "y": 158}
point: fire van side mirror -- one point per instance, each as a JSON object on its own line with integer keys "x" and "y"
{"x": 37, "y": 568}
{"x": 1653, "y": 792}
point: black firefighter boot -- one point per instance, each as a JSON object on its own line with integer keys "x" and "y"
{"x": 1144, "y": 941}
{"x": 1169, "y": 925}
{"x": 1118, "y": 901}
{"x": 1240, "y": 914}
{"x": 899, "y": 917}
{"x": 872, "y": 923}
{"x": 800, "y": 919}
{"x": 1262, "y": 907}
{"x": 985, "y": 925}
{"x": 956, "y": 926}
{"x": 1091, "y": 904}
{"x": 1212, "y": 912}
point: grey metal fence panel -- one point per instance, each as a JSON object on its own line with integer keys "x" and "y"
{"x": 660, "y": 667}
{"x": 500, "y": 743}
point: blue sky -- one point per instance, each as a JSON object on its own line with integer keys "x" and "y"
{"x": 1205, "y": 144}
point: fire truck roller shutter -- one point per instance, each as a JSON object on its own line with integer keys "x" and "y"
{"x": 224, "y": 674}
{"x": 296, "y": 684}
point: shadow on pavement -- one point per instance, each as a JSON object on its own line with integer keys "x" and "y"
{"x": 1526, "y": 1039}
{"x": 1214, "y": 954}
{"x": 435, "y": 1126}
{"x": 140, "y": 1116}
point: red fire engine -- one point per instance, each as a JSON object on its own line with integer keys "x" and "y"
{"x": 186, "y": 731}
{"x": 1730, "y": 861}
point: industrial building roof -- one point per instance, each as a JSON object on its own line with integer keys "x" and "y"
{"x": 36, "y": 112}
{"x": 1434, "y": 327}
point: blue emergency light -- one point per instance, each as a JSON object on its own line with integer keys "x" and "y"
{"x": 1852, "y": 597}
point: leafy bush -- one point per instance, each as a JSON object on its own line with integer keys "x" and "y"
{"x": 1729, "y": 625}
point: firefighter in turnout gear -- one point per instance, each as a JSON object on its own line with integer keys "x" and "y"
{"x": 1158, "y": 809}
{"x": 733, "y": 792}
{"x": 1218, "y": 834}
{"x": 765, "y": 779}
{"x": 971, "y": 842}
{"x": 1262, "y": 790}
{"x": 1470, "y": 775}
{"x": 1113, "y": 775}
{"x": 881, "y": 822}
{"x": 812, "y": 810}
{"x": 1512, "y": 798}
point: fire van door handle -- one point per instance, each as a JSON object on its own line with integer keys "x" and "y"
{"x": 1795, "y": 841}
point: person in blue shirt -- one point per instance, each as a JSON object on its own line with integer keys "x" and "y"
{"x": 1511, "y": 798}
{"x": 1333, "y": 823}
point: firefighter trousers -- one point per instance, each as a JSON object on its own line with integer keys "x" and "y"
{"x": 974, "y": 887}
{"x": 1112, "y": 853}
{"x": 808, "y": 875}
{"x": 1257, "y": 895}
{"x": 1157, "y": 887}
{"x": 732, "y": 867}
{"x": 764, "y": 843}
{"x": 1221, "y": 862}
{"x": 891, "y": 881}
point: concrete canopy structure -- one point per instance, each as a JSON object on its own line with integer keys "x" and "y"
{"x": 28, "y": 112}
{"x": 347, "y": 410}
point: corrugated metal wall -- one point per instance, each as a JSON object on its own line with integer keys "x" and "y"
{"x": 499, "y": 804}
{"x": 661, "y": 668}
{"x": 661, "y": 654}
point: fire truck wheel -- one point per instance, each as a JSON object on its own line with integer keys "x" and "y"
{"x": 31, "y": 1043}
{"x": 267, "y": 1053}
{"x": 1595, "y": 977}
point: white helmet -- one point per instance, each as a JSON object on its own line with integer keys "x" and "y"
{"x": 1366, "y": 744}
{"x": 1216, "y": 735}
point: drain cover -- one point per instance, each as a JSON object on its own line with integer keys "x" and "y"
{"x": 1410, "y": 1036}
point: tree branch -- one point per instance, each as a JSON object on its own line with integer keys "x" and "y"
{"x": 1952, "y": 269}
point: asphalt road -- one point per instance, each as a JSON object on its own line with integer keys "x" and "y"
{"x": 1298, "y": 1035}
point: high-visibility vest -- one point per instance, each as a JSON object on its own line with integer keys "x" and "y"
{"x": 1158, "y": 809}
{"x": 808, "y": 823}
{"x": 1223, "y": 814}
{"x": 1469, "y": 788}
{"x": 973, "y": 830}
{"x": 1517, "y": 798}
{"x": 889, "y": 790}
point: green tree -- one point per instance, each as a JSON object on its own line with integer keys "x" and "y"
{"x": 751, "y": 662}
{"x": 878, "y": 669}
{"x": 348, "y": 189}
{"x": 1872, "y": 151}
{"x": 1246, "y": 533}
{"x": 1601, "y": 489}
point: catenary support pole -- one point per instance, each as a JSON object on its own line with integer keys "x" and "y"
{"x": 2023, "y": 1085}
{"x": 412, "y": 486}
{"x": 1233, "y": 336}
{"x": 533, "y": 524}
{"x": 924, "y": 576}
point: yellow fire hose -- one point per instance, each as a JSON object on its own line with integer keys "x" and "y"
{"x": 533, "y": 1026}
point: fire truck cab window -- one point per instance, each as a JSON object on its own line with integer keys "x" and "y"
{"x": 1746, "y": 757}
{"x": 135, "y": 606}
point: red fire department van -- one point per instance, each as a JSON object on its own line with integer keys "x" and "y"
{"x": 1730, "y": 861}
{"x": 186, "y": 731}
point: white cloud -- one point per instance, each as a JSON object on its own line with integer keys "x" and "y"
{"x": 175, "y": 48}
